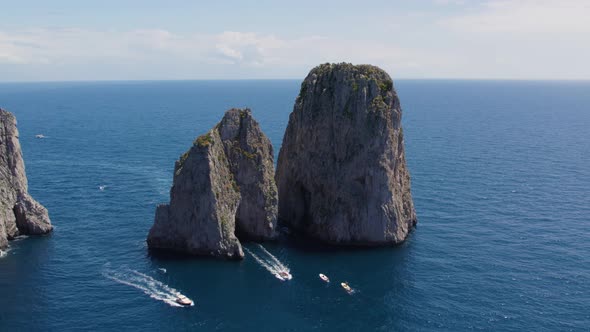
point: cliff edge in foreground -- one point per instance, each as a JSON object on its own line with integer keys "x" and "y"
{"x": 341, "y": 174}
{"x": 223, "y": 186}
{"x": 20, "y": 214}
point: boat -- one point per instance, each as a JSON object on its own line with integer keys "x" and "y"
{"x": 324, "y": 277}
{"x": 183, "y": 300}
{"x": 40, "y": 136}
{"x": 346, "y": 287}
{"x": 285, "y": 275}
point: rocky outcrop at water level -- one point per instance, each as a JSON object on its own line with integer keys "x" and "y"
{"x": 20, "y": 214}
{"x": 341, "y": 174}
{"x": 223, "y": 189}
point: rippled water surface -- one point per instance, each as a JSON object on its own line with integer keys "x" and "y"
{"x": 500, "y": 178}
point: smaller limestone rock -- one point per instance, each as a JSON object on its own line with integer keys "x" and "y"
{"x": 224, "y": 183}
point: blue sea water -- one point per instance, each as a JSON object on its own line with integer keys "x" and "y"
{"x": 500, "y": 179}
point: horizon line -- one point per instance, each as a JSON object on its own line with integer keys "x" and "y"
{"x": 292, "y": 79}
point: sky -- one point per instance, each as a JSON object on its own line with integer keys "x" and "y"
{"x": 64, "y": 40}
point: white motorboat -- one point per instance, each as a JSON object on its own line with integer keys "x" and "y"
{"x": 285, "y": 275}
{"x": 346, "y": 287}
{"x": 183, "y": 300}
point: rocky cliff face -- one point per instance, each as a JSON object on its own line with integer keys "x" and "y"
{"x": 250, "y": 156}
{"x": 19, "y": 212}
{"x": 222, "y": 185}
{"x": 341, "y": 173}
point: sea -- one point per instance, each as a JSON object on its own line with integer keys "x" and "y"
{"x": 501, "y": 184}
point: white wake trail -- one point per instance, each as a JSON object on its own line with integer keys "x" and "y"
{"x": 276, "y": 261}
{"x": 271, "y": 263}
{"x": 262, "y": 262}
{"x": 148, "y": 285}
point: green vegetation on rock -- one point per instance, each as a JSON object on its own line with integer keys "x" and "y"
{"x": 303, "y": 89}
{"x": 204, "y": 140}
{"x": 245, "y": 153}
{"x": 385, "y": 85}
{"x": 184, "y": 157}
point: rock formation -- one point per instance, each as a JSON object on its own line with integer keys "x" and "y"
{"x": 341, "y": 174}
{"x": 223, "y": 186}
{"x": 250, "y": 157}
{"x": 19, "y": 212}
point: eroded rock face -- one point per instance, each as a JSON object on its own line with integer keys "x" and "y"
{"x": 20, "y": 214}
{"x": 250, "y": 157}
{"x": 341, "y": 173}
{"x": 222, "y": 184}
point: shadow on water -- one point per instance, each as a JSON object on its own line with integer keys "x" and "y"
{"x": 300, "y": 241}
{"x": 20, "y": 282}
{"x": 176, "y": 255}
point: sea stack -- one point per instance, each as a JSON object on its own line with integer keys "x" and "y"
{"x": 20, "y": 214}
{"x": 223, "y": 188}
{"x": 342, "y": 174}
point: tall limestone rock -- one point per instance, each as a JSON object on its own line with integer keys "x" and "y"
{"x": 341, "y": 173}
{"x": 20, "y": 214}
{"x": 223, "y": 186}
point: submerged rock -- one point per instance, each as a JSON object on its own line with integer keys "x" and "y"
{"x": 341, "y": 173}
{"x": 222, "y": 185}
{"x": 20, "y": 214}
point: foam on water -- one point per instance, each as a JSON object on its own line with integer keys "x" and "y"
{"x": 269, "y": 262}
{"x": 273, "y": 258}
{"x": 20, "y": 237}
{"x": 150, "y": 286}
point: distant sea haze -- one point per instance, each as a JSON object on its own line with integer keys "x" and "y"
{"x": 500, "y": 177}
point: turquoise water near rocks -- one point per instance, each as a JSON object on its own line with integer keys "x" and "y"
{"x": 500, "y": 179}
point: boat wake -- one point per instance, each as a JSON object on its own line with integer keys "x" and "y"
{"x": 150, "y": 286}
{"x": 270, "y": 263}
{"x": 20, "y": 238}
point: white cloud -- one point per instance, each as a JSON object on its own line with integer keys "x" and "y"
{"x": 449, "y": 2}
{"x": 526, "y": 17}
{"x": 526, "y": 39}
{"x": 52, "y": 46}
{"x": 169, "y": 51}
{"x": 247, "y": 48}
{"x": 493, "y": 39}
